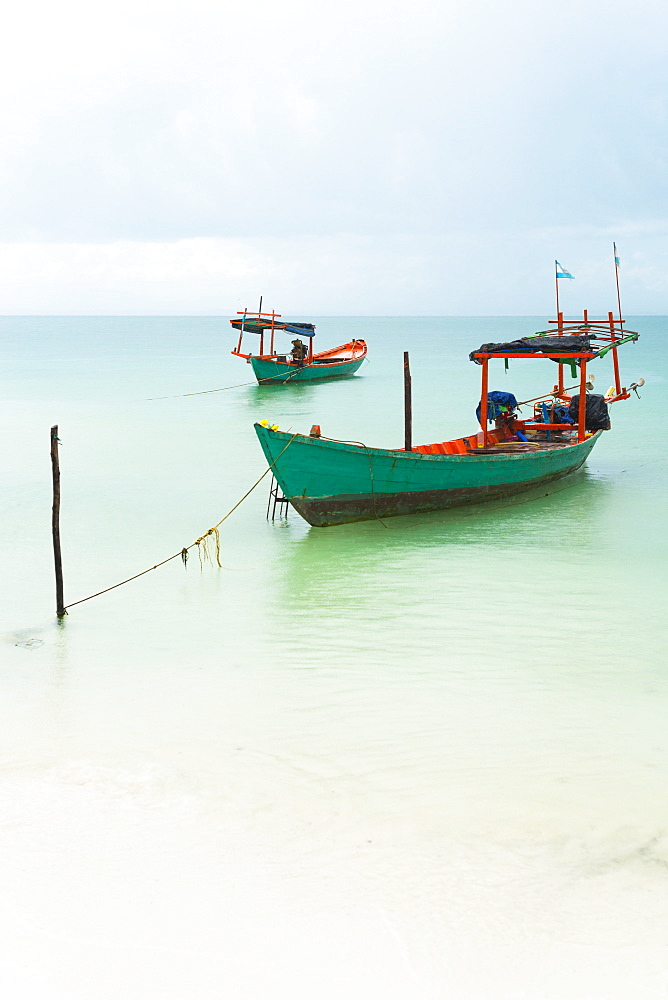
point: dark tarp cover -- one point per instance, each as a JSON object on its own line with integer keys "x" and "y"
{"x": 596, "y": 412}
{"x": 497, "y": 403}
{"x": 534, "y": 344}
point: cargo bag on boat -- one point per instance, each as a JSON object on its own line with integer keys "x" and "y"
{"x": 498, "y": 402}
{"x": 560, "y": 415}
{"x": 596, "y": 412}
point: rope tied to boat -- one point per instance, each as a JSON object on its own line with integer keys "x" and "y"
{"x": 204, "y": 543}
{"x": 240, "y": 385}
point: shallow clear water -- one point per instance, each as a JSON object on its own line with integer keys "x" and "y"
{"x": 419, "y": 759}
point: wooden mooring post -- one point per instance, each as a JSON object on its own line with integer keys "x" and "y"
{"x": 55, "y": 522}
{"x": 408, "y": 406}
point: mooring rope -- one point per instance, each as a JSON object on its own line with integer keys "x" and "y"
{"x": 204, "y": 392}
{"x": 183, "y": 553}
{"x": 201, "y": 542}
{"x": 241, "y": 385}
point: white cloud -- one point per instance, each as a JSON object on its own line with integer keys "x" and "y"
{"x": 154, "y": 124}
{"x": 487, "y": 273}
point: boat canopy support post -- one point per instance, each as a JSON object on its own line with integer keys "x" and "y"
{"x": 259, "y": 316}
{"x": 408, "y": 405}
{"x": 241, "y": 332}
{"x": 273, "y": 323}
{"x": 582, "y": 407}
{"x": 615, "y": 359}
{"x": 483, "y": 401}
{"x": 560, "y": 333}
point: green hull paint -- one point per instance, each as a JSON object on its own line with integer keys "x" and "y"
{"x": 276, "y": 371}
{"x": 329, "y": 482}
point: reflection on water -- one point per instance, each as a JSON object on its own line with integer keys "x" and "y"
{"x": 575, "y": 507}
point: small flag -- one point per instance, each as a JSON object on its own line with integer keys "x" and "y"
{"x": 614, "y": 247}
{"x": 562, "y": 272}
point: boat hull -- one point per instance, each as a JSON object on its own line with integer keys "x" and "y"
{"x": 331, "y": 482}
{"x": 268, "y": 371}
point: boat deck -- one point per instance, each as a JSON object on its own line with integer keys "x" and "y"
{"x": 473, "y": 444}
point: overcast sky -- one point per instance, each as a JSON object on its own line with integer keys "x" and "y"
{"x": 347, "y": 158}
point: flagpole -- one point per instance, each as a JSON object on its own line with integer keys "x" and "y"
{"x": 556, "y": 284}
{"x": 560, "y": 383}
{"x": 615, "y": 360}
{"x": 619, "y": 300}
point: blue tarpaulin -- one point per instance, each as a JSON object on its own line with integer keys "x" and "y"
{"x": 303, "y": 329}
{"x": 498, "y": 402}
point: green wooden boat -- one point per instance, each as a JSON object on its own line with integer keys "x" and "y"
{"x": 301, "y": 364}
{"x": 334, "y": 482}
{"x": 335, "y": 363}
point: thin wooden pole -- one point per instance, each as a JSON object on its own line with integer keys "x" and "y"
{"x": 408, "y": 406}
{"x": 55, "y": 523}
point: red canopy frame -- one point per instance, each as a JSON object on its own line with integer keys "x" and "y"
{"x": 608, "y": 331}
{"x": 584, "y": 356}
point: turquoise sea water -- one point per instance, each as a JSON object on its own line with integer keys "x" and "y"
{"x": 419, "y": 759}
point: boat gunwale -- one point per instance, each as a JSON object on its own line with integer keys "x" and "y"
{"x": 358, "y": 355}
{"x": 401, "y": 453}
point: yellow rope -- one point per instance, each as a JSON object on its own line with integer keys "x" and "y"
{"x": 201, "y": 542}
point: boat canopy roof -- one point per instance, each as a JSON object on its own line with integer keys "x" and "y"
{"x": 535, "y": 345}
{"x": 306, "y": 329}
{"x": 251, "y": 324}
{"x": 575, "y": 344}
